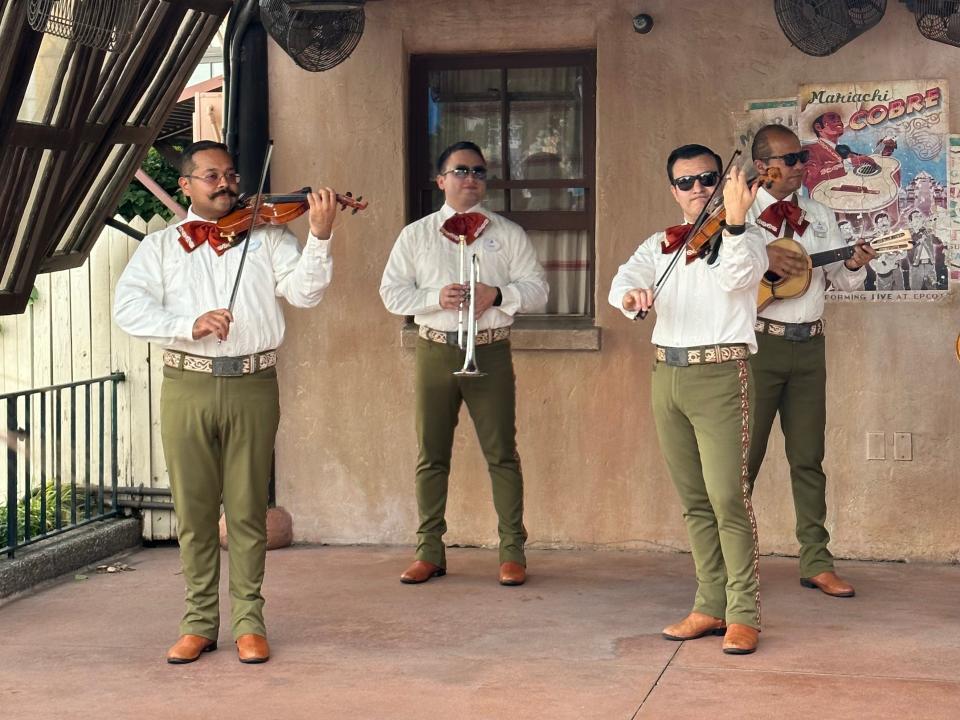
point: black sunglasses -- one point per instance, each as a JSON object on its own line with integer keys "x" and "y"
{"x": 790, "y": 159}
{"x": 707, "y": 179}
{"x": 461, "y": 172}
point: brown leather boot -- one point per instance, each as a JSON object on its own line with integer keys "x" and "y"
{"x": 188, "y": 648}
{"x": 695, "y": 625}
{"x": 740, "y": 639}
{"x": 512, "y": 573}
{"x": 830, "y": 583}
{"x": 252, "y": 649}
{"x": 420, "y": 571}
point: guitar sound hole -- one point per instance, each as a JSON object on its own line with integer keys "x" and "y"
{"x": 771, "y": 276}
{"x": 866, "y": 170}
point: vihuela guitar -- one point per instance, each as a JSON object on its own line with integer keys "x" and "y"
{"x": 774, "y": 287}
{"x": 866, "y": 191}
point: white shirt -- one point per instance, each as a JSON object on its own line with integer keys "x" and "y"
{"x": 699, "y": 304}
{"x": 164, "y": 289}
{"x": 423, "y": 261}
{"x": 821, "y": 234}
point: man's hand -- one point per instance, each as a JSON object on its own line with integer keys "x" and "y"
{"x": 785, "y": 263}
{"x": 485, "y": 297}
{"x": 452, "y": 295}
{"x": 323, "y": 211}
{"x": 738, "y": 196}
{"x": 215, "y": 321}
{"x": 638, "y": 299}
{"x": 862, "y": 254}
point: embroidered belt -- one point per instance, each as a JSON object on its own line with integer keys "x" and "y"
{"x": 483, "y": 337}
{"x": 681, "y": 357}
{"x": 796, "y": 332}
{"x": 220, "y": 366}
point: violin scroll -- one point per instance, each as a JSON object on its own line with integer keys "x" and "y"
{"x": 347, "y": 200}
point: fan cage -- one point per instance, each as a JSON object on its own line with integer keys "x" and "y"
{"x": 939, "y": 20}
{"x": 102, "y": 24}
{"x": 316, "y": 40}
{"x": 821, "y": 27}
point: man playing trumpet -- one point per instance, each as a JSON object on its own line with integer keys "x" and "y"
{"x": 418, "y": 281}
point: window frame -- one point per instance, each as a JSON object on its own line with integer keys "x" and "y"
{"x": 547, "y": 220}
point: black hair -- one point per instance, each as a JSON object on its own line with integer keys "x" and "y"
{"x": 818, "y": 120}
{"x": 914, "y": 212}
{"x": 880, "y": 215}
{"x": 685, "y": 152}
{"x": 187, "y": 165}
{"x": 456, "y": 147}
{"x": 761, "y": 141}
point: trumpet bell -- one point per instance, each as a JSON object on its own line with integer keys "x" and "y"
{"x": 469, "y": 370}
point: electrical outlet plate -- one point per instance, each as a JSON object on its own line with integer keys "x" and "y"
{"x": 902, "y": 446}
{"x": 876, "y": 446}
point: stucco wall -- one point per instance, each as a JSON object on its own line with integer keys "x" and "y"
{"x": 593, "y": 471}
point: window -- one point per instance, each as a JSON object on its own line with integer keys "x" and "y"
{"x": 533, "y": 115}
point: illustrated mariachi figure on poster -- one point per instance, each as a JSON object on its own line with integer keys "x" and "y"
{"x": 877, "y": 155}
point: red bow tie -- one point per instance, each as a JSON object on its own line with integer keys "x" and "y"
{"x": 195, "y": 233}
{"x": 466, "y": 225}
{"x": 783, "y": 210}
{"x": 676, "y": 235}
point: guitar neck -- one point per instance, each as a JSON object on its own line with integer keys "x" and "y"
{"x": 831, "y": 256}
{"x": 891, "y": 242}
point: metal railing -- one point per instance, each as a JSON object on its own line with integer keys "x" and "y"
{"x": 52, "y": 484}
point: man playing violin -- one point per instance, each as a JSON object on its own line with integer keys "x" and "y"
{"x": 219, "y": 402}
{"x": 701, "y": 390}
{"x": 421, "y": 279}
{"x": 789, "y": 370}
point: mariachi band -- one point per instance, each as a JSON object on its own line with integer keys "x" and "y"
{"x": 463, "y": 273}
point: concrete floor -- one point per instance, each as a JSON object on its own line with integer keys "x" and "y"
{"x": 580, "y": 640}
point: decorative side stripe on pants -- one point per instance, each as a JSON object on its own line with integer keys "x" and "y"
{"x": 744, "y": 375}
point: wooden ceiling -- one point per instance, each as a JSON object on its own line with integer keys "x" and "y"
{"x": 66, "y": 159}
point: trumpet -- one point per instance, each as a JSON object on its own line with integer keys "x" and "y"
{"x": 467, "y": 339}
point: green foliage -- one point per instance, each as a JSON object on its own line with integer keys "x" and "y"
{"x": 137, "y": 201}
{"x": 66, "y": 503}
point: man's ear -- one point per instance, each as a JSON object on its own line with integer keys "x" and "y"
{"x": 184, "y": 185}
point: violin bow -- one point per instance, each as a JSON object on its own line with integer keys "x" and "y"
{"x": 681, "y": 251}
{"x": 253, "y": 223}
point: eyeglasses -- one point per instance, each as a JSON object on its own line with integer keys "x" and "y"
{"x": 707, "y": 179}
{"x": 213, "y": 178}
{"x": 461, "y": 171}
{"x": 790, "y": 159}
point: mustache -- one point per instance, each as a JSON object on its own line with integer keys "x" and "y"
{"x": 225, "y": 191}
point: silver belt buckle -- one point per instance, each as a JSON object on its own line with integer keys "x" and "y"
{"x": 796, "y": 333}
{"x": 677, "y": 357}
{"x": 452, "y": 337}
{"x": 227, "y": 366}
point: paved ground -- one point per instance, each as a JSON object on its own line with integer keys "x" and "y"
{"x": 580, "y": 640}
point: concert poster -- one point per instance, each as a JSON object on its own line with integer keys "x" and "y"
{"x": 756, "y": 114}
{"x": 953, "y": 184}
{"x": 878, "y": 158}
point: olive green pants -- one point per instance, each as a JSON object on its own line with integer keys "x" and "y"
{"x": 218, "y": 435}
{"x": 790, "y": 378}
{"x": 702, "y": 413}
{"x": 491, "y": 401}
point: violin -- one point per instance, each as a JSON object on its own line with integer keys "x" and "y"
{"x": 708, "y": 226}
{"x": 703, "y": 236}
{"x": 277, "y": 210}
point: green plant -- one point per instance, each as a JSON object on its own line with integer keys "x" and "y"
{"x": 137, "y": 201}
{"x": 66, "y": 502}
